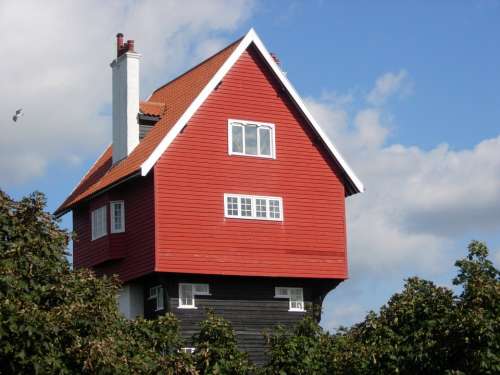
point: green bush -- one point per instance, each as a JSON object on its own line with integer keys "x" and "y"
{"x": 55, "y": 320}
{"x": 216, "y": 350}
{"x": 422, "y": 330}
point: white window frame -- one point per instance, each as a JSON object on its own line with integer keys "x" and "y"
{"x": 253, "y": 215}
{"x": 188, "y": 350}
{"x": 93, "y": 222}
{"x": 194, "y": 293}
{"x": 156, "y": 293}
{"x": 232, "y": 122}
{"x": 286, "y": 292}
{"x": 112, "y": 214}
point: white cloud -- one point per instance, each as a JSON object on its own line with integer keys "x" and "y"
{"x": 388, "y": 85}
{"x": 417, "y": 203}
{"x": 55, "y": 65}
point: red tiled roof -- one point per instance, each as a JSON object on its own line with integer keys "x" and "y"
{"x": 152, "y": 108}
{"x": 175, "y": 97}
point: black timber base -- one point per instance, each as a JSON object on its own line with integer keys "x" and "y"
{"x": 248, "y": 303}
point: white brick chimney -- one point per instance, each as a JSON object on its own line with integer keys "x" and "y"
{"x": 125, "y": 99}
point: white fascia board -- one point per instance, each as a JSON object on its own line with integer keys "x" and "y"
{"x": 250, "y": 37}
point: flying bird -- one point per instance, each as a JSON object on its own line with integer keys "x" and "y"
{"x": 18, "y": 114}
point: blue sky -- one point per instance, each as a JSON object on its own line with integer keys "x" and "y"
{"x": 408, "y": 91}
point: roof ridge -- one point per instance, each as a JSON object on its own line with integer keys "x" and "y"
{"x": 197, "y": 65}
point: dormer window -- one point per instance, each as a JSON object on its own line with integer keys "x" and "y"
{"x": 251, "y": 138}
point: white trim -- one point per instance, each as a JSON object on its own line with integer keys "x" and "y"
{"x": 288, "y": 295}
{"x": 93, "y": 222}
{"x": 194, "y": 293}
{"x": 254, "y": 206}
{"x": 230, "y": 151}
{"x": 158, "y": 296}
{"x": 112, "y": 216}
{"x": 250, "y": 37}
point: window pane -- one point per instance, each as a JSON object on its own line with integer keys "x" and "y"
{"x": 246, "y": 206}
{"x": 237, "y": 141}
{"x": 250, "y": 139}
{"x": 232, "y": 206}
{"x": 186, "y": 295}
{"x": 201, "y": 288}
{"x": 265, "y": 141}
{"x": 274, "y": 209}
{"x": 260, "y": 207}
{"x": 159, "y": 299}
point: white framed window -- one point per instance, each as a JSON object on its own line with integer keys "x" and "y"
{"x": 253, "y": 207}
{"x": 188, "y": 350}
{"x": 251, "y": 138}
{"x": 156, "y": 295}
{"x": 117, "y": 212}
{"x": 295, "y": 297}
{"x": 98, "y": 223}
{"x": 187, "y": 293}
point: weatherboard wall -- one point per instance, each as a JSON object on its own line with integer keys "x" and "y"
{"x": 191, "y": 177}
{"x": 129, "y": 254}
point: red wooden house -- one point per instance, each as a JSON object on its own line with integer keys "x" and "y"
{"x": 219, "y": 191}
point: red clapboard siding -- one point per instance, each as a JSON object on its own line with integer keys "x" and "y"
{"x": 129, "y": 254}
{"x": 192, "y": 235}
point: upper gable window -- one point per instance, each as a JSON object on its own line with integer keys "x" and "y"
{"x": 251, "y": 138}
{"x": 117, "y": 217}
{"x": 99, "y": 223}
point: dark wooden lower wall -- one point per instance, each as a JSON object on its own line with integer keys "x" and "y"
{"x": 248, "y": 303}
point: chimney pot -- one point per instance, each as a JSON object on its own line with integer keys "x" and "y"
{"x": 130, "y": 46}
{"x": 119, "y": 44}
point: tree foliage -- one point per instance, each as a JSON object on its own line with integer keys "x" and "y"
{"x": 424, "y": 329}
{"x": 55, "y": 320}
{"x": 216, "y": 350}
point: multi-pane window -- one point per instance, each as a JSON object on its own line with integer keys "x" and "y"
{"x": 232, "y": 206}
{"x": 117, "y": 216}
{"x": 98, "y": 223}
{"x": 295, "y": 297}
{"x": 251, "y": 138}
{"x": 253, "y": 207}
{"x": 156, "y": 295}
{"x": 274, "y": 209}
{"x": 187, "y": 293}
{"x": 246, "y": 206}
{"x": 261, "y": 207}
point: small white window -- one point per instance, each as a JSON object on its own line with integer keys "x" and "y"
{"x": 156, "y": 295}
{"x": 187, "y": 292}
{"x": 253, "y": 207}
{"x": 295, "y": 297}
{"x": 117, "y": 217}
{"x": 99, "y": 223}
{"x": 251, "y": 138}
{"x": 188, "y": 350}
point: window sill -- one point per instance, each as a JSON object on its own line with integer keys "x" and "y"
{"x": 187, "y": 307}
{"x": 252, "y": 218}
{"x": 96, "y": 238}
{"x": 272, "y": 157}
{"x": 296, "y": 310}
